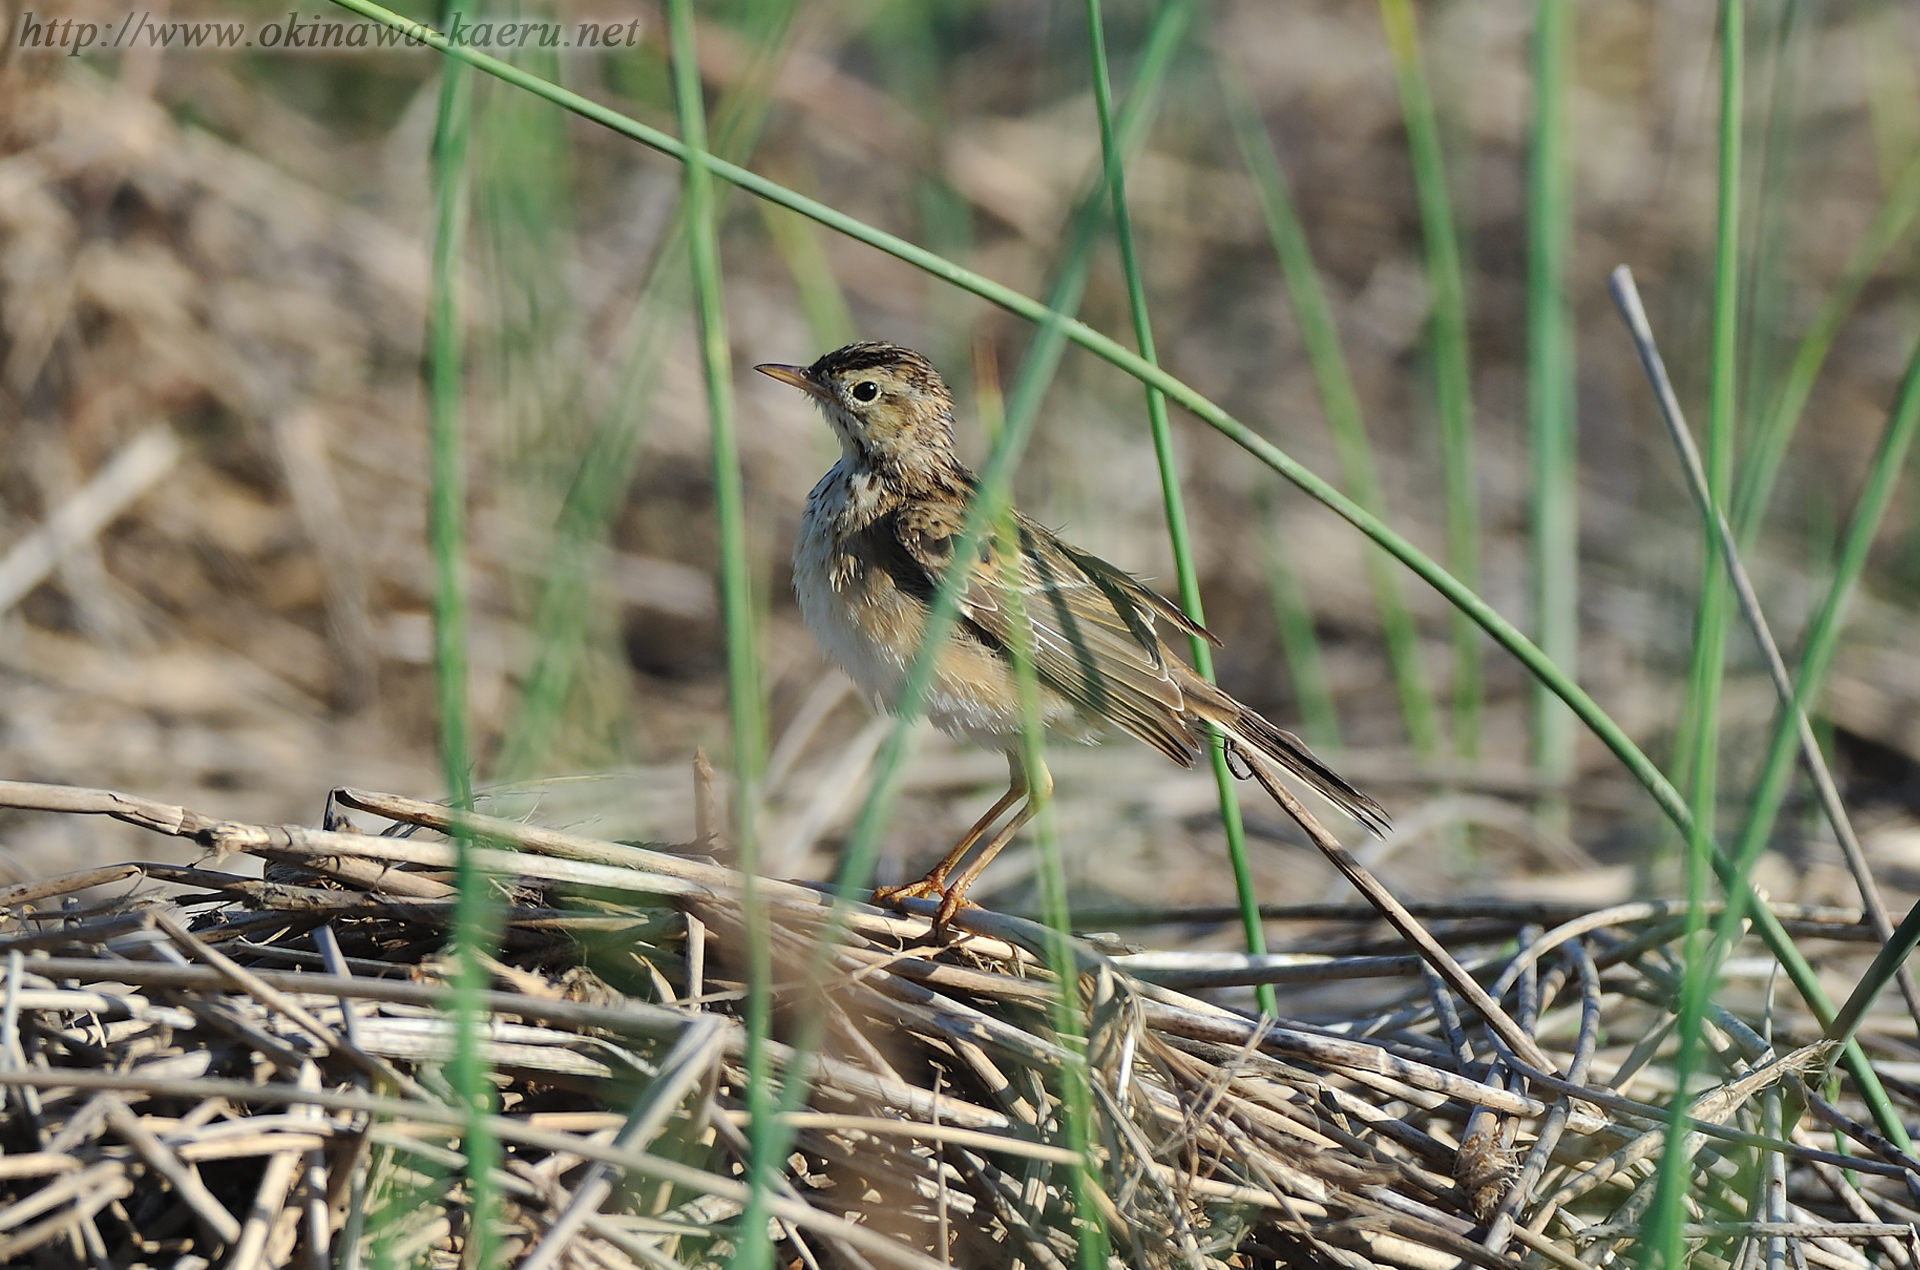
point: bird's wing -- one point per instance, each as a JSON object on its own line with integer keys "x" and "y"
{"x": 1094, "y": 641}
{"x": 1093, "y": 626}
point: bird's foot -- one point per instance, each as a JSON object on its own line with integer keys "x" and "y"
{"x": 932, "y": 886}
{"x": 925, "y": 889}
{"x": 954, "y": 901}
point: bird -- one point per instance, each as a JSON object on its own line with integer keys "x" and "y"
{"x": 879, "y": 535}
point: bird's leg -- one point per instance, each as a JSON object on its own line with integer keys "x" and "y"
{"x": 935, "y": 882}
{"x": 1039, "y": 788}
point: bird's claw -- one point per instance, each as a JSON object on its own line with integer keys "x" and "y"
{"x": 927, "y": 888}
{"x": 955, "y": 900}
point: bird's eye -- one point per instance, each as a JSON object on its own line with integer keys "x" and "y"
{"x": 866, "y": 390}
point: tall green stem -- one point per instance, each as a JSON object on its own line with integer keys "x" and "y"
{"x": 1703, "y": 697}
{"x": 1007, "y": 442}
{"x": 1550, "y": 386}
{"x": 1338, "y": 398}
{"x": 447, "y": 511}
{"x": 1076, "y": 1095}
{"x": 605, "y": 466}
{"x": 736, "y": 590}
{"x": 1176, "y": 508}
{"x": 1452, "y": 371}
{"x": 447, "y": 529}
{"x": 1761, "y": 464}
{"x": 1823, "y": 633}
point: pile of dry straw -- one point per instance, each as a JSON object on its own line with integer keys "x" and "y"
{"x": 200, "y": 1067}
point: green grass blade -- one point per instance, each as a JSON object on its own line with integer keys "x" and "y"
{"x": 1761, "y": 465}
{"x": 1885, "y": 965}
{"x": 703, "y": 255}
{"x": 1299, "y": 642}
{"x": 1036, "y": 373}
{"x": 1733, "y": 916}
{"x": 601, "y": 478}
{"x": 1022, "y": 413}
{"x": 447, "y": 434}
{"x": 1056, "y": 327}
{"x": 821, "y": 299}
{"x": 447, "y": 530}
{"x": 604, "y": 470}
{"x": 1667, "y": 1215}
{"x": 1076, "y": 1095}
{"x": 736, "y": 589}
{"x": 906, "y": 39}
{"x": 1555, "y": 537}
{"x": 1338, "y": 398}
{"x": 1823, "y": 632}
{"x": 1176, "y": 509}
{"x": 1452, "y": 370}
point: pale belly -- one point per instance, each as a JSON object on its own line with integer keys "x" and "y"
{"x": 871, "y": 629}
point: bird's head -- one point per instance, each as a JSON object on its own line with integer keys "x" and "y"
{"x": 887, "y": 404}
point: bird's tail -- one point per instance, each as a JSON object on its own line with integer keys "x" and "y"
{"x": 1259, "y": 740}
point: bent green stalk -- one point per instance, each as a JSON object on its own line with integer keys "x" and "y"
{"x": 1886, "y": 963}
{"x": 1170, "y": 496}
{"x": 1057, "y": 327}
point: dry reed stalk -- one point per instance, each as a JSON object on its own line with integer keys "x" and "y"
{"x": 218, "y": 1066}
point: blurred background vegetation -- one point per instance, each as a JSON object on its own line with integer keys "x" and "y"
{"x": 235, "y": 248}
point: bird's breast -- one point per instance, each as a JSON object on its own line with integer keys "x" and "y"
{"x": 861, "y": 622}
{"x": 872, "y": 628}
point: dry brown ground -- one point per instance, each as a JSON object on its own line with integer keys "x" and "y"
{"x": 235, "y": 256}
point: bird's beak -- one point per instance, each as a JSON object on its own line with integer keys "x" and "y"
{"x": 795, "y": 376}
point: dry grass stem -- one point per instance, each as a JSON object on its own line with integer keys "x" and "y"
{"x": 198, "y": 1063}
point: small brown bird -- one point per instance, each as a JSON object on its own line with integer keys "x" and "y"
{"x": 879, "y": 534}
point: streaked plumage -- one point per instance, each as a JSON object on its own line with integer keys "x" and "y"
{"x": 879, "y": 534}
